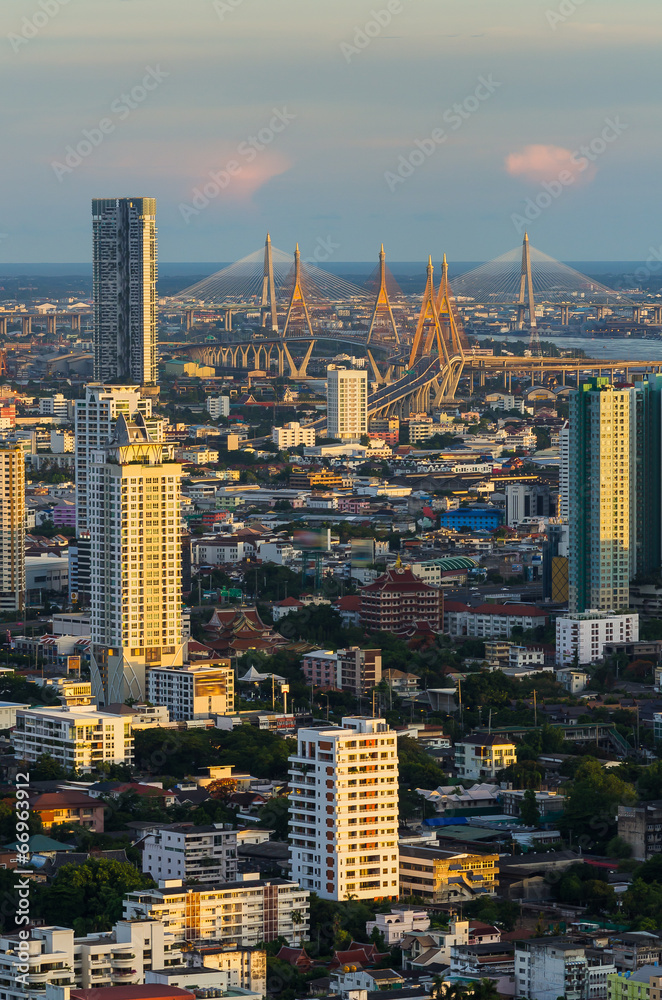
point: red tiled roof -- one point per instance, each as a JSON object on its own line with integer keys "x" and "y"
{"x": 138, "y": 992}
{"x": 397, "y": 580}
{"x": 53, "y": 800}
{"x": 288, "y": 602}
{"x": 351, "y": 603}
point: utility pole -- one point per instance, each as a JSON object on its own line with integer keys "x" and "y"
{"x": 535, "y": 709}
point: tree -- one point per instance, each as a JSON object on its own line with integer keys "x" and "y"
{"x": 275, "y": 815}
{"x": 529, "y": 812}
{"x": 89, "y": 897}
{"x": 589, "y": 814}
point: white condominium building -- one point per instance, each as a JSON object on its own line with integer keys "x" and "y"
{"x": 12, "y": 529}
{"x": 217, "y": 406}
{"x": 194, "y": 691}
{"x": 120, "y": 957}
{"x": 585, "y": 635}
{"x": 134, "y": 516}
{"x": 347, "y": 403}
{"x": 292, "y": 435}
{"x": 125, "y": 292}
{"x": 78, "y": 737}
{"x": 244, "y": 912}
{"x": 184, "y": 851}
{"x": 344, "y": 810}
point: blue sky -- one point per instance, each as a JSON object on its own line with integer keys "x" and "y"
{"x": 425, "y": 124}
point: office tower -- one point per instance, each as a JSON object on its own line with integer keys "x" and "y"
{"x": 125, "y": 294}
{"x": 347, "y": 403}
{"x": 344, "y": 810}
{"x": 601, "y": 484}
{"x": 12, "y": 529}
{"x": 133, "y": 515}
{"x": 96, "y": 417}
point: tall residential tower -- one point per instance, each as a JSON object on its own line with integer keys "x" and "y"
{"x": 133, "y": 516}
{"x": 12, "y": 529}
{"x": 347, "y": 403}
{"x": 601, "y": 481}
{"x": 344, "y": 810}
{"x": 125, "y": 294}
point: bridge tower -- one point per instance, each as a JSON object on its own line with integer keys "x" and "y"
{"x": 525, "y": 300}
{"x": 297, "y": 299}
{"x": 382, "y": 307}
{"x": 428, "y": 328}
{"x": 446, "y": 313}
{"x": 268, "y": 310}
{"x": 3, "y": 363}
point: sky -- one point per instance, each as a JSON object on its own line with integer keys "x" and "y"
{"x": 429, "y": 125}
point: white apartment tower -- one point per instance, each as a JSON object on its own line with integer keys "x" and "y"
{"x": 344, "y": 810}
{"x": 134, "y": 514}
{"x": 12, "y": 529}
{"x": 347, "y": 403}
{"x": 125, "y": 294}
{"x": 96, "y": 417}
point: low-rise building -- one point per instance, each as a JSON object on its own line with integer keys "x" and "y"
{"x": 120, "y": 957}
{"x": 217, "y": 406}
{"x": 399, "y": 922}
{"x": 68, "y": 806}
{"x": 356, "y": 670}
{"x": 184, "y": 851}
{"x": 292, "y": 435}
{"x": 491, "y": 621}
{"x": 641, "y": 827}
{"x": 244, "y": 912}
{"x": 549, "y": 968}
{"x": 446, "y": 876}
{"x": 79, "y": 738}
{"x": 482, "y": 756}
{"x": 194, "y": 691}
{"x": 581, "y": 638}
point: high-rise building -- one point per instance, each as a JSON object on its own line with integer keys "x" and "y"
{"x": 344, "y": 810}
{"x": 134, "y": 513}
{"x": 601, "y": 484}
{"x": 12, "y": 529}
{"x": 125, "y": 294}
{"x": 648, "y": 471}
{"x": 347, "y": 403}
{"x": 611, "y": 474}
{"x": 96, "y": 417}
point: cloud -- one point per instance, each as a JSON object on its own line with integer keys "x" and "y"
{"x": 538, "y": 163}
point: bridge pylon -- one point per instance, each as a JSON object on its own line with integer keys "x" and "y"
{"x": 428, "y": 328}
{"x": 526, "y": 301}
{"x": 268, "y": 309}
{"x": 297, "y": 299}
{"x": 382, "y": 308}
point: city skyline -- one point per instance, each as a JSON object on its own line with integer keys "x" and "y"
{"x": 404, "y": 122}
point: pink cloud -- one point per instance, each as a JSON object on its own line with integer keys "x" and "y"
{"x": 538, "y": 163}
